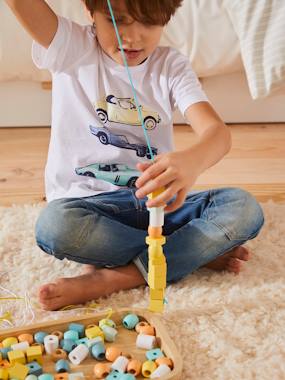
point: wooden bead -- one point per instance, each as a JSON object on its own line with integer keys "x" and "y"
{"x": 147, "y": 330}
{"x": 139, "y": 325}
{"x": 59, "y": 334}
{"x": 154, "y": 232}
{"x": 39, "y": 345}
{"x": 61, "y": 376}
{"x": 112, "y": 352}
{"x": 102, "y": 370}
{"x": 164, "y": 360}
{"x": 26, "y": 338}
{"x": 134, "y": 367}
{"x": 58, "y": 354}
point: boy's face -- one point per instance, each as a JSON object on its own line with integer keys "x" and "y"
{"x": 138, "y": 40}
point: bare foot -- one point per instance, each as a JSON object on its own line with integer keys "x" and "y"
{"x": 88, "y": 286}
{"x": 230, "y": 261}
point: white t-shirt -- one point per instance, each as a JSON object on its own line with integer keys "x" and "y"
{"x": 96, "y": 135}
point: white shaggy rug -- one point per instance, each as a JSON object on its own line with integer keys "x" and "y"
{"x": 226, "y": 327}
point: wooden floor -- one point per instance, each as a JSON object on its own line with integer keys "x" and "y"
{"x": 256, "y": 162}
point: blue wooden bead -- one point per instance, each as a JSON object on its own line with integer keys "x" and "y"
{"x": 46, "y": 376}
{"x": 34, "y": 368}
{"x": 77, "y": 327}
{"x": 62, "y": 366}
{"x": 98, "y": 351}
{"x": 114, "y": 376}
{"x": 130, "y": 321}
{"x": 71, "y": 334}
{"x": 154, "y": 354}
{"x": 4, "y": 352}
{"x": 39, "y": 337}
{"x": 67, "y": 345}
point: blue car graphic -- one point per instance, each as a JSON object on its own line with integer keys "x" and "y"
{"x": 106, "y": 137}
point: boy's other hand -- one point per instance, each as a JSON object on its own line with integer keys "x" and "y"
{"x": 176, "y": 171}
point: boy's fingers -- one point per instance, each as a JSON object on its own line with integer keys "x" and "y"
{"x": 162, "y": 180}
{"x": 163, "y": 198}
{"x": 153, "y": 171}
{"x": 142, "y": 166}
{"x": 180, "y": 198}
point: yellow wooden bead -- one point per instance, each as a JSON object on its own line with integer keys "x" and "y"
{"x": 4, "y": 373}
{"x": 7, "y": 342}
{"x": 93, "y": 332}
{"x": 18, "y": 371}
{"x": 34, "y": 353}
{"x": 148, "y": 367}
{"x": 16, "y": 356}
{"x": 156, "y": 306}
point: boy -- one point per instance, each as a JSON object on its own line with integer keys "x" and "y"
{"x": 95, "y": 215}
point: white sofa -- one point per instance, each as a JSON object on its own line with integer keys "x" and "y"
{"x": 201, "y": 29}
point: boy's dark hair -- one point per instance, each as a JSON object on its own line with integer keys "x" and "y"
{"x": 150, "y": 12}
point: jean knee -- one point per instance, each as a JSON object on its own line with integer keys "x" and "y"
{"x": 57, "y": 228}
{"x": 241, "y": 216}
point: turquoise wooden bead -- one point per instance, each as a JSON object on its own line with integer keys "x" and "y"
{"x": 114, "y": 376}
{"x": 71, "y": 334}
{"x": 98, "y": 351}
{"x": 31, "y": 377}
{"x": 62, "y": 366}
{"x": 77, "y": 327}
{"x": 154, "y": 354}
{"x": 82, "y": 341}
{"x": 127, "y": 376}
{"x": 46, "y": 376}
{"x": 67, "y": 345}
{"x": 39, "y": 337}
{"x": 130, "y": 321}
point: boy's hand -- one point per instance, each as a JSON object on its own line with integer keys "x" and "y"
{"x": 176, "y": 171}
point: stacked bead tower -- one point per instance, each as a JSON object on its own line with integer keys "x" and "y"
{"x": 156, "y": 258}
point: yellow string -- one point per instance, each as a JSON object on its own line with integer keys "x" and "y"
{"x": 7, "y": 316}
{"x": 11, "y": 298}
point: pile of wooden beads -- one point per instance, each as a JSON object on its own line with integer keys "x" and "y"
{"x": 21, "y": 358}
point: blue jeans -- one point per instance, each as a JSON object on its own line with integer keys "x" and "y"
{"x": 109, "y": 229}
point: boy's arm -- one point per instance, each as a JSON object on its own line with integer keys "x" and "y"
{"x": 177, "y": 171}
{"x": 37, "y": 18}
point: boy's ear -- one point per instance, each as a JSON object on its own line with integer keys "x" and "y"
{"x": 88, "y": 14}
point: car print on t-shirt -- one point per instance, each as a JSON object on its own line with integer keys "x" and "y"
{"x": 105, "y": 136}
{"x": 117, "y": 174}
{"x": 124, "y": 111}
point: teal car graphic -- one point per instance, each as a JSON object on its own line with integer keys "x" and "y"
{"x": 106, "y": 137}
{"x": 117, "y": 174}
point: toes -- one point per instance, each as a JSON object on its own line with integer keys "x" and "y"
{"x": 241, "y": 253}
{"x": 234, "y": 265}
{"x": 47, "y": 291}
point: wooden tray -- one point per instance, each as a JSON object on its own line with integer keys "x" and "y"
{"x": 125, "y": 339}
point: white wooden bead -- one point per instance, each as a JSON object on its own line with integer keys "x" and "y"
{"x": 156, "y": 216}
{"x": 146, "y": 341}
{"x": 109, "y": 333}
{"x": 79, "y": 353}
{"x": 160, "y": 371}
{"x": 50, "y": 343}
{"x": 120, "y": 364}
{"x": 22, "y": 346}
